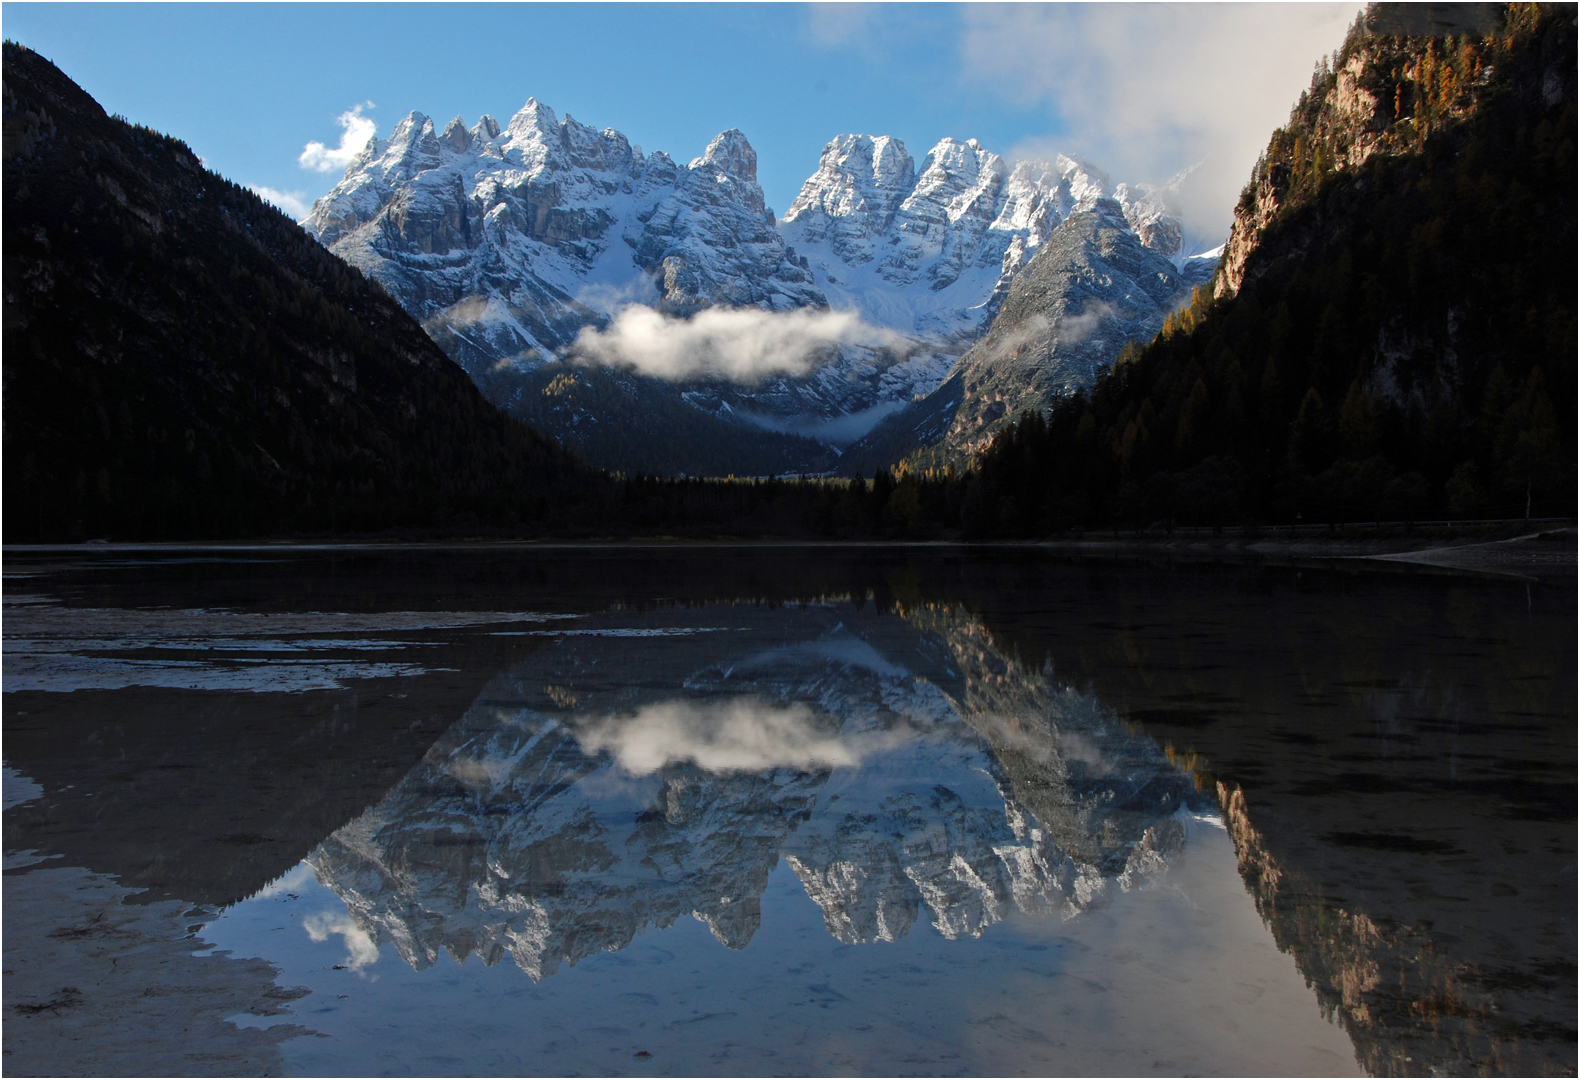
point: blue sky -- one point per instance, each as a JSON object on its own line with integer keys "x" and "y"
{"x": 1141, "y": 90}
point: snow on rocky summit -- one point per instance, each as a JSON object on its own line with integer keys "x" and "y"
{"x": 506, "y": 242}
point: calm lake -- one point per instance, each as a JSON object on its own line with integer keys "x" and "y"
{"x": 784, "y": 810}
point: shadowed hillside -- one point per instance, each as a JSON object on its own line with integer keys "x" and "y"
{"x": 1392, "y": 333}
{"x": 181, "y": 360}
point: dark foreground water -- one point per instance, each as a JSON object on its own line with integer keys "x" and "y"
{"x": 784, "y": 811}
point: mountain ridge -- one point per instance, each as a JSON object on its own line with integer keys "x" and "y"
{"x": 507, "y": 242}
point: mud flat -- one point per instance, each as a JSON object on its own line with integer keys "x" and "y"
{"x": 95, "y": 987}
{"x": 1537, "y": 555}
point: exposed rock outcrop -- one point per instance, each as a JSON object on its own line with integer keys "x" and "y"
{"x": 1387, "y": 93}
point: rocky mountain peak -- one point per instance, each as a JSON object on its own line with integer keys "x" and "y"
{"x": 731, "y": 154}
{"x": 963, "y": 170}
{"x": 857, "y": 174}
{"x": 413, "y": 147}
{"x": 456, "y": 138}
{"x": 860, "y": 183}
{"x": 486, "y": 130}
{"x": 533, "y": 118}
{"x": 506, "y": 244}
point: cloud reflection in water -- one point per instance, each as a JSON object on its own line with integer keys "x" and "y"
{"x": 739, "y": 735}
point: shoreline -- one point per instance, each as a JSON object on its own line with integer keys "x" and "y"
{"x": 1534, "y": 550}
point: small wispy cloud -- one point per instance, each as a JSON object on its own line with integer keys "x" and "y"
{"x": 357, "y": 130}
{"x": 1074, "y": 329}
{"x": 743, "y": 345}
{"x": 361, "y": 951}
{"x": 607, "y": 297}
{"x": 292, "y": 202}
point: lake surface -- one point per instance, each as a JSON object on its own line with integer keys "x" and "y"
{"x": 688, "y": 811}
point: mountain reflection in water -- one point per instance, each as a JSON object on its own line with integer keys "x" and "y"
{"x": 975, "y": 812}
{"x": 900, "y": 767}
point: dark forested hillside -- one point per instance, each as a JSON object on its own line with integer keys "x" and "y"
{"x": 1394, "y": 328}
{"x": 182, "y": 361}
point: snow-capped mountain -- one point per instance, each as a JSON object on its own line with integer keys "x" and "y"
{"x": 637, "y": 771}
{"x": 932, "y": 254}
{"x": 505, "y": 243}
{"x": 1092, "y": 286}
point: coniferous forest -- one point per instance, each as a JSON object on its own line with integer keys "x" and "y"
{"x": 1403, "y": 345}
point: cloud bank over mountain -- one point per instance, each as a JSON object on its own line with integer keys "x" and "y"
{"x": 744, "y": 345}
{"x": 1151, "y": 90}
{"x": 742, "y": 735}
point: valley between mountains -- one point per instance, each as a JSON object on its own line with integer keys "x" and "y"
{"x": 506, "y": 242}
{"x": 539, "y": 328}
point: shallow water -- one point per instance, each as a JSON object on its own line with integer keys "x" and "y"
{"x": 766, "y": 811}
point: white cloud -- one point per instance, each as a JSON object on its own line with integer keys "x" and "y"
{"x": 744, "y": 735}
{"x": 360, "y": 949}
{"x": 740, "y": 344}
{"x": 608, "y": 297}
{"x": 358, "y": 130}
{"x": 292, "y": 202}
{"x": 1146, "y": 90}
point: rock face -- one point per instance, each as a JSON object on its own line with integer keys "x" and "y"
{"x": 933, "y": 254}
{"x": 506, "y": 242}
{"x": 1387, "y": 96}
{"x": 501, "y": 240}
{"x": 568, "y": 811}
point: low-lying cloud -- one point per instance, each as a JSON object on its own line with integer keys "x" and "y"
{"x": 1149, "y": 89}
{"x": 358, "y": 129}
{"x": 744, "y": 345}
{"x": 744, "y": 735}
{"x": 1074, "y": 329}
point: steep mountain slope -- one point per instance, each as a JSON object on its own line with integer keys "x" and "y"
{"x": 182, "y": 361}
{"x": 932, "y": 254}
{"x": 505, "y": 243}
{"x": 1091, "y": 288}
{"x": 1395, "y": 327}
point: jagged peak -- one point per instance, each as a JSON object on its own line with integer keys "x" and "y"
{"x": 533, "y": 118}
{"x": 1109, "y": 211}
{"x": 731, "y": 154}
{"x": 883, "y": 157}
{"x": 455, "y": 137}
{"x": 410, "y": 128}
{"x": 963, "y": 158}
{"x": 487, "y": 128}
{"x": 850, "y": 167}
